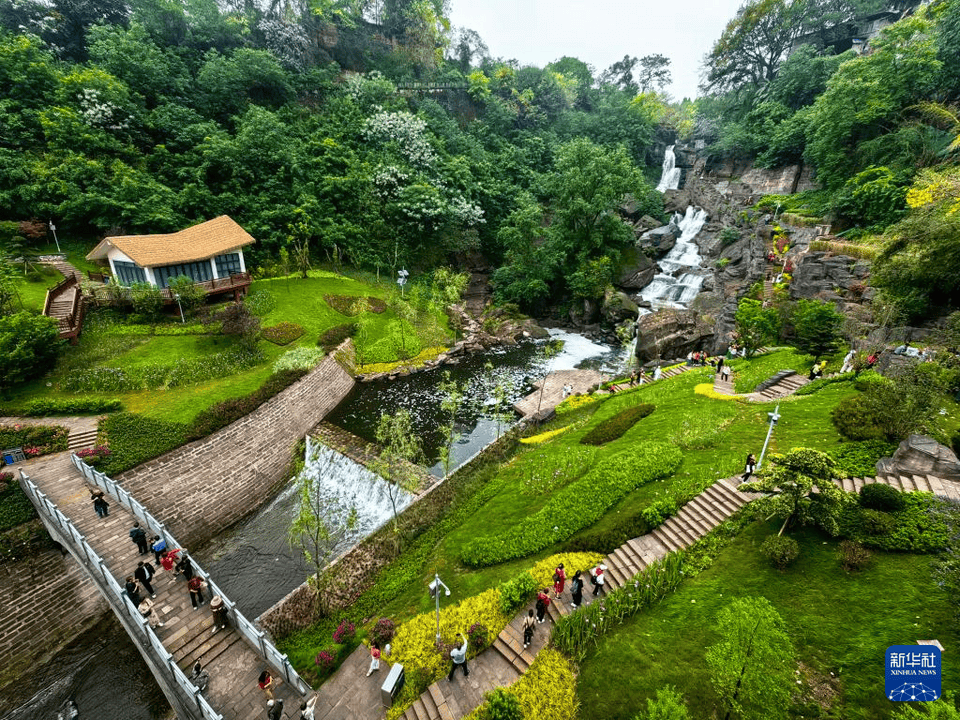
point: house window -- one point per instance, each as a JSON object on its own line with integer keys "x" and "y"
{"x": 128, "y": 272}
{"x": 196, "y": 271}
{"x": 227, "y": 264}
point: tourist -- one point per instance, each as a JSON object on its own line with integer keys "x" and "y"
{"x": 459, "y": 657}
{"x": 168, "y": 559}
{"x": 743, "y": 352}
{"x": 656, "y": 373}
{"x": 750, "y": 467}
{"x": 690, "y": 358}
{"x": 848, "y": 361}
{"x": 185, "y": 567}
{"x": 543, "y": 600}
{"x": 725, "y": 373}
{"x": 99, "y": 504}
{"x": 219, "y": 612}
{"x": 200, "y": 678}
{"x": 576, "y": 589}
{"x": 719, "y": 365}
{"x": 529, "y": 622}
{"x": 643, "y": 375}
{"x": 146, "y": 609}
{"x": 133, "y": 591}
{"x": 374, "y": 658}
{"x": 69, "y": 711}
{"x": 306, "y": 707}
{"x": 275, "y": 709}
{"x": 265, "y": 683}
{"x": 559, "y": 578}
{"x": 195, "y": 586}
{"x": 158, "y": 545}
{"x": 139, "y": 537}
{"x": 599, "y": 579}
{"x": 144, "y": 573}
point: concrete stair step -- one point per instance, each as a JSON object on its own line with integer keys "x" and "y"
{"x": 921, "y": 483}
{"x": 668, "y": 540}
{"x": 81, "y": 440}
{"x": 679, "y": 528}
{"x": 906, "y": 483}
{"x": 723, "y": 505}
{"x": 730, "y": 494}
{"x": 703, "y": 513}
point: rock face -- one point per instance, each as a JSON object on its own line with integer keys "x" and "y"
{"x": 659, "y": 241}
{"x": 830, "y": 277}
{"x": 921, "y": 455}
{"x": 780, "y": 181}
{"x": 672, "y": 334}
{"x": 617, "y": 307}
{"x": 636, "y": 271}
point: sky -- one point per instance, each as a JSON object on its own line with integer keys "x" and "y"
{"x": 600, "y": 32}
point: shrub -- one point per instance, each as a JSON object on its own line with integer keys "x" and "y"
{"x": 853, "y": 555}
{"x": 383, "y": 632}
{"x": 326, "y": 660}
{"x": 542, "y": 571}
{"x": 35, "y": 440}
{"x": 192, "y": 295}
{"x": 919, "y": 527}
{"x": 857, "y": 420}
{"x": 575, "y": 402}
{"x": 299, "y": 358}
{"x": 226, "y": 412}
{"x": 859, "y": 459}
{"x": 29, "y": 345}
{"x": 577, "y": 505}
{"x": 147, "y": 299}
{"x": 544, "y": 436}
{"x": 614, "y": 427}
{"x": 331, "y": 338}
{"x": 347, "y": 304}
{"x": 812, "y": 387}
{"x": 875, "y": 522}
{"x": 658, "y": 512}
{"x": 516, "y": 593}
{"x": 549, "y": 688}
{"x": 479, "y": 636}
{"x": 668, "y": 705}
{"x": 282, "y": 334}
{"x": 15, "y": 507}
{"x": 5, "y": 480}
{"x": 345, "y": 633}
{"x": 501, "y": 704}
{"x": 43, "y": 407}
{"x": 135, "y": 438}
{"x": 880, "y": 496}
{"x": 780, "y": 550}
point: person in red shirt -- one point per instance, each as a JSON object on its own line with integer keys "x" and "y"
{"x": 559, "y": 578}
{"x": 543, "y": 600}
{"x": 195, "y": 585}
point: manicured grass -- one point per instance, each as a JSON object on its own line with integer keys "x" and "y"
{"x": 840, "y": 623}
{"x": 748, "y": 373}
{"x": 32, "y": 287}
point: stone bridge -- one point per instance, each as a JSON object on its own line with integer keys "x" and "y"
{"x": 234, "y": 657}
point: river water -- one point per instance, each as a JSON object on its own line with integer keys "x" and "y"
{"x": 253, "y": 561}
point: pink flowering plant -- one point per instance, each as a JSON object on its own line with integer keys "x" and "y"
{"x": 344, "y": 633}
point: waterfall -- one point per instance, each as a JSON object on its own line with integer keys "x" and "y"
{"x": 343, "y": 485}
{"x": 680, "y": 277}
{"x": 670, "y": 176}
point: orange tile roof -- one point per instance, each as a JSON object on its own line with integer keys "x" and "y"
{"x": 200, "y": 242}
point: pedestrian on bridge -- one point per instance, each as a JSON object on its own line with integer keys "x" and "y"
{"x": 168, "y": 559}
{"x": 158, "y": 545}
{"x": 275, "y": 709}
{"x": 99, "y": 504}
{"x": 265, "y": 683}
{"x": 195, "y": 586}
{"x": 144, "y": 573}
{"x": 200, "y": 678}
{"x": 219, "y": 611}
{"x": 306, "y": 708}
{"x": 146, "y": 609}
{"x": 139, "y": 537}
{"x": 133, "y": 591}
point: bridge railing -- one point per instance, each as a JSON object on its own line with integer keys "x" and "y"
{"x": 116, "y": 595}
{"x": 254, "y": 637}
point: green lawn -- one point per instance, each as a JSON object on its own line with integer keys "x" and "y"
{"x": 839, "y": 622}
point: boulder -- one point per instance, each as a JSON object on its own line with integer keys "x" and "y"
{"x": 636, "y": 270}
{"x": 921, "y": 455}
{"x": 828, "y": 276}
{"x": 659, "y": 241}
{"x": 617, "y": 307}
{"x": 672, "y": 334}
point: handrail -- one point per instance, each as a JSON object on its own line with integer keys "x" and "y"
{"x": 57, "y": 290}
{"x": 96, "y": 567}
{"x": 255, "y": 638}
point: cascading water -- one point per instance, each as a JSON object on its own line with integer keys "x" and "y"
{"x": 680, "y": 278}
{"x": 670, "y": 176}
{"x": 343, "y": 486}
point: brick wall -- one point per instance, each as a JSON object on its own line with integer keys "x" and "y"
{"x": 204, "y": 487}
{"x": 44, "y": 601}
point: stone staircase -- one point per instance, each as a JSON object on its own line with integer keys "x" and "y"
{"x": 80, "y": 439}
{"x": 61, "y": 265}
{"x": 906, "y": 483}
{"x": 784, "y": 383}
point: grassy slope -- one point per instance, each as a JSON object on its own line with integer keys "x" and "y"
{"x": 839, "y": 623}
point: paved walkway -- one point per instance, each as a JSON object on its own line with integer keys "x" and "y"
{"x": 552, "y": 395}
{"x": 186, "y": 633}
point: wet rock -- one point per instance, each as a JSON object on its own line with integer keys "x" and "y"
{"x": 830, "y": 277}
{"x": 921, "y": 455}
{"x": 672, "y": 333}
{"x": 636, "y": 270}
{"x": 659, "y": 241}
{"x": 617, "y": 307}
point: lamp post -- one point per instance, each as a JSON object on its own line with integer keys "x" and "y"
{"x": 401, "y": 281}
{"x": 435, "y": 586}
{"x": 774, "y": 417}
{"x": 53, "y": 229}
{"x": 176, "y": 296}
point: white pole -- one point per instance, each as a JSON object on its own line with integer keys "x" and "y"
{"x": 53, "y": 229}
{"x": 436, "y": 594}
{"x": 774, "y": 416}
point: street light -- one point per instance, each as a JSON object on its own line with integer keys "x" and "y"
{"x": 774, "y": 417}
{"x": 435, "y": 586}
{"x": 401, "y": 281}
{"x": 176, "y": 296}
{"x": 53, "y": 229}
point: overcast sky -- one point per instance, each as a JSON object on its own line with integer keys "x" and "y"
{"x": 600, "y": 32}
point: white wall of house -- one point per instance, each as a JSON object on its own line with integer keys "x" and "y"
{"x": 114, "y": 254}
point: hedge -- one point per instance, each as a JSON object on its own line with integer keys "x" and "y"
{"x": 614, "y": 427}
{"x": 35, "y": 440}
{"x": 859, "y": 459}
{"x": 331, "y": 338}
{"x": 283, "y": 333}
{"x": 577, "y": 505}
{"x": 15, "y": 507}
{"x": 43, "y": 407}
{"x": 135, "y": 438}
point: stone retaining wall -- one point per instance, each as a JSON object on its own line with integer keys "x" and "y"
{"x": 204, "y": 487}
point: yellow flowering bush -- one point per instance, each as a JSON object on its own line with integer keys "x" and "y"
{"x": 542, "y": 572}
{"x": 934, "y": 187}
{"x": 426, "y": 354}
{"x": 706, "y": 389}
{"x": 549, "y": 688}
{"x": 574, "y": 402}
{"x": 543, "y": 437}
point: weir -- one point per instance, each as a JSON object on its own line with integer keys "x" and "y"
{"x": 102, "y": 547}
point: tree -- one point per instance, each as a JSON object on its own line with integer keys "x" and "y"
{"x": 668, "y": 705}
{"x": 800, "y": 487}
{"x": 400, "y": 448}
{"x": 29, "y": 344}
{"x": 319, "y": 526}
{"x": 654, "y": 73}
{"x": 9, "y": 283}
{"x": 752, "y": 664}
{"x": 451, "y": 401}
{"x": 816, "y": 325}
{"x": 756, "y": 325}
{"x": 237, "y": 320}
{"x": 620, "y": 75}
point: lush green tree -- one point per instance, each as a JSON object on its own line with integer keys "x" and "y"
{"x": 654, "y": 73}
{"x": 873, "y": 199}
{"x": 816, "y": 327}
{"x": 668, "y": 705}
{"x": 400, "y": 449}
{"x": 29, "y": 344}
{"x": 531, "y": 261}
{"x": 800, "y": 488}
{"x": 451, "y": 403}
{"x": 752, "y": 664}
{"x": 755, "y": 324}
